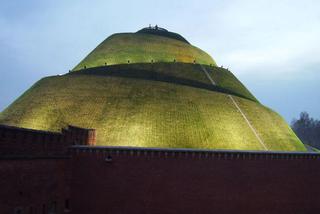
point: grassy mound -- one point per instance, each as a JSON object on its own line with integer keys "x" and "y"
{"x": 178, "y": 73}
{"x": 163, "y": 32}
{"x": 147, "y": 113}
{"x": 143, "y": 48}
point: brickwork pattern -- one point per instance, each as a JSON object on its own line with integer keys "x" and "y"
{"x": 46, "y": 172}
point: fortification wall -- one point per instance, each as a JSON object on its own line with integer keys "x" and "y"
{"x": 115, "y": 180}
{"x": 86, "y": 179}
{"x": 16, "y": 141}
{"x": 35, "y": 169}
{"x": 34, "y": 185}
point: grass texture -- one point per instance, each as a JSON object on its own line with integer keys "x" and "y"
{"x": 129, "y": 111}
{"x": 143, "y": 48}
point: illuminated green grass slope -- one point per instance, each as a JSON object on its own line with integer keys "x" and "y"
{"x": 177, "y": 73}
{"x": 130, "y": 108}
{"x": 143, "y": 48}
{"x": 153, "y": 88}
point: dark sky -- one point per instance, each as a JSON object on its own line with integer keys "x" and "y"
{"x": 272, "y": 46}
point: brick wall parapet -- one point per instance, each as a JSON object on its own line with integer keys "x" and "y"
{"x": 21, "y": 141}
{"x": 191, "y": 153}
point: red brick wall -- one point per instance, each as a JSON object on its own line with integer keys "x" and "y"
{"x": 19, "y": 141}
{"x": 33, "y": 185}
{"x": 35, "y": 170}
{"x": 188, "y": 182}
{"x": 80, "y": 136}
{"x": 39, "y": 169}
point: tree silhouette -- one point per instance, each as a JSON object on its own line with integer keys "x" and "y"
{"x": 307, "y": 129}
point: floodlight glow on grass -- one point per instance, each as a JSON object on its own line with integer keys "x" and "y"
{"x": 146, "y": 100}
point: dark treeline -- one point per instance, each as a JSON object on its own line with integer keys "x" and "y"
{"x": 307, "y": 129}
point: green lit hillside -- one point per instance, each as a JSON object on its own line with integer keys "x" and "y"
{"x": 177, "y": 73}
{"x": 159, "y": 103}
{"x": 143, "y": 48}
